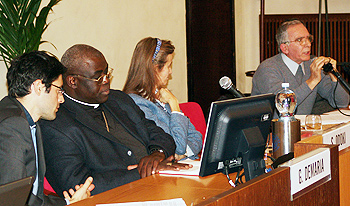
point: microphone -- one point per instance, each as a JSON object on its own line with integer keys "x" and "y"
{"x": 329, "y": 68}
{"x": 226, "y": 83}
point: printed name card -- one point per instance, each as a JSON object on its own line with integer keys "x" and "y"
{"x": 309, "y": 171}
{"x": 338, "y": 136}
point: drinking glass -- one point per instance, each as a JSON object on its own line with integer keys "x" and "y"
{"x": 313, "y": 122}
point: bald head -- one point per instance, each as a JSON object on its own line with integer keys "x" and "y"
{"x": 85, "y": 65}
{"x": 76, "y": 57}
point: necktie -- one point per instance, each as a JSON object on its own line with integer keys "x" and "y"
{"x": 299, "y": 75}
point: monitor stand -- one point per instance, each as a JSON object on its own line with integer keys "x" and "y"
{"x": 253, "y": 149}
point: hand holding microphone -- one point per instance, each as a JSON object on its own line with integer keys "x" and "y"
{"x": 327, "y": 64}
{"x": 316, "y": 69}
{"x": 328, "y": 67}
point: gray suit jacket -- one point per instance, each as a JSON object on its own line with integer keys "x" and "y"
{"x": 272, "y": 72}
{"x": 17, "y": 155}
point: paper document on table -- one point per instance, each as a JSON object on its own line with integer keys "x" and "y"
{"x": 334, "y": 117}
{"x": 171, "y": 202}
{"x": 194, "y": 171}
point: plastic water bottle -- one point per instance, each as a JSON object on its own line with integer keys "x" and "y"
{"x": 285, "y": 131}
{"x": 286, "y": 102}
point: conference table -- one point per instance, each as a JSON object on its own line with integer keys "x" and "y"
{"x": 272, "y": 188}
{"x": 192, "y": 189}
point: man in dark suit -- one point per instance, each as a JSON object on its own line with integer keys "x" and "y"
{"x": 34, "y": 83}
{"x": 100, "y": 132}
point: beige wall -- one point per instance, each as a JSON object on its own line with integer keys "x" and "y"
{"x": 114, "y": 27}
{"x": 247, "y": 28}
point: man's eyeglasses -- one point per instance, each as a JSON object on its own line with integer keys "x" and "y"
{"x": 302, "y": 40}
{"x": 100, "y": 79}
{"x": 60, "y": 89}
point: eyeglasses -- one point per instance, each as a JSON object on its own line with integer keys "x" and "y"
{"x": 100, "y": 79}
{"x": 302, "y": 40}
{"x": 60, "y": 89}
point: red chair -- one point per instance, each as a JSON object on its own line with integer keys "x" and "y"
{"x": 47, "y": 188}
{"x": 194, "y": 111}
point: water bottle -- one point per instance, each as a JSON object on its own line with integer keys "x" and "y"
{"x": 286, "y": 130}
{"x": 286, "y": 102}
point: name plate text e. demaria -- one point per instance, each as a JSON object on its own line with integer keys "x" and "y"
{"x": 309, "y": 171}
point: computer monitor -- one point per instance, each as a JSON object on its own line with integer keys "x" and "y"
{"x": 236, "y": 135}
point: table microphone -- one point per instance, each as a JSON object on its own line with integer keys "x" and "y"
{"x": 226, "y": 83}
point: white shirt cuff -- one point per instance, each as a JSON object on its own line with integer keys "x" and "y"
{"x": 178, "y": 112}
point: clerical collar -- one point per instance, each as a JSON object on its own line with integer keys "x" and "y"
{"x": 80, "y": 102}
{"x": 292, "y": 65}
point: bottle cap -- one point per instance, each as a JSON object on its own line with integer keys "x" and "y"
{"x": 284, "y": 85}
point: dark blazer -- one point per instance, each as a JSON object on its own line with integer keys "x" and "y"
{"x": 17, "y": 154}
{"x": 77, "y": 147}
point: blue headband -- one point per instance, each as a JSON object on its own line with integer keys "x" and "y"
{"x": 159, "y": 44}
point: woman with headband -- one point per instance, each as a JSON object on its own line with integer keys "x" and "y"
{"x": 146, "y": 83}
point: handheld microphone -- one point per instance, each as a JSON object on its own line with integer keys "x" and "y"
{"x": 329, "y": 68}
{"x": 226, "y": 83}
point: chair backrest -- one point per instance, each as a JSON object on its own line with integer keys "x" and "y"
{"x": 194, "y": 111}
{"x": 48, "y": 190}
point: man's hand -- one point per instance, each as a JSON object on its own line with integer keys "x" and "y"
{"x": 316, "y": 69}
{"x": 334, "y": 64}
{"x": 148, "y": 165}
{"x": 82, "y": 191}
{"x": 171, "y": 164}
{"x": 151, "y": 164}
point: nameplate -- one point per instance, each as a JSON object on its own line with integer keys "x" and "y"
{"x": 309, "y": 171}
{"x": 338, "y": 136}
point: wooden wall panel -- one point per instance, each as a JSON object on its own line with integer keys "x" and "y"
{"x": 210, "y": 48}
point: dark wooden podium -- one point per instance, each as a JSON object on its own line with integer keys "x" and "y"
{"x": 272, "y": 188}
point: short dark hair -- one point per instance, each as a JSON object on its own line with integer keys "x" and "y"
{"x": 74, "y": 57}
{"x": 29, "y": 67}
